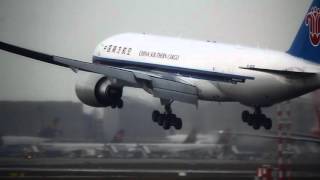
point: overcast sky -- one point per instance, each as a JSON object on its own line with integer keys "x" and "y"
{"x": 72, "y": 28}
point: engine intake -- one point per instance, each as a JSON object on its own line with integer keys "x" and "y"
{"x": 97, "y": 91}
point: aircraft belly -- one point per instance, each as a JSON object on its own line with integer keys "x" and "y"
{"x": 263, "y": 91}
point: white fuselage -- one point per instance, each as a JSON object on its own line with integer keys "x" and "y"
{"x": 266, "y": 89}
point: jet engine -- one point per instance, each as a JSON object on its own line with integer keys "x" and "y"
{"x": 97, "y": 91}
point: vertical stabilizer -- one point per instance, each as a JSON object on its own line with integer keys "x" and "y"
{"x": 306, "y": 45}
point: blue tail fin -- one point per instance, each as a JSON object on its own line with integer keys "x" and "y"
{"x": 307, "y": 42}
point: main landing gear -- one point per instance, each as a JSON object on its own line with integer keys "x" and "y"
{"x": 167, "y": 119}
{"x": 114, "y": 97}
{"x": 257, "y": 119}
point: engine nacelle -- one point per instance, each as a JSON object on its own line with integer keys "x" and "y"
{"x": 97, "y": 91}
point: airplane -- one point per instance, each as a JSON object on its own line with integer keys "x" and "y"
{"x": 194, "y": 137}
{"x": 176, "y": 69}
{"x": 22, "y": 140}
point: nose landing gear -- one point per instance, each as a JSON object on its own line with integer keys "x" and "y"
{"x": 257, "y": 119}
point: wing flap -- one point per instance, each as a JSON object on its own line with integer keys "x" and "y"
{"x": 180, "y": 96}
{"x": 173, "y": 86}
{"x": 168, "y": 89}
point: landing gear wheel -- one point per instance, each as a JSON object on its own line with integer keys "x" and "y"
{"x": 166, "y": 124}
{"x": 161, "y": 119}
{"x": 245, "y": 116}
{"x": 256, "y": 125}
{"x": 167, "y": 118}
{"x": 250, "y": 120}
{"x": 178, "y": 123}
{"x": 155, "y": 116}
{"x": 257, "y": 119}
{"x": 113, "y": 105}
{"x": 120, "y": 104}
{"x": 267, "y": 124}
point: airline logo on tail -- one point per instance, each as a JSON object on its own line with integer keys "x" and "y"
{"x": 313, "y": 21}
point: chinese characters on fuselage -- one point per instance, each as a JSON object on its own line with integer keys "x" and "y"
{"x": 118, "y": 49}
{"x": 127, "y": 51}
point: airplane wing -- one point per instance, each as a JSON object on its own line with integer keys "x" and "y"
{"x": 288, "y": 73}
{"x": 166, "y": 86}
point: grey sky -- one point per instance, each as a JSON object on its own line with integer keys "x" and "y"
{"x": 72, "y": 28}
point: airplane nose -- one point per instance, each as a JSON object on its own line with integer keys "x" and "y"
{"x": 97, "y": 50}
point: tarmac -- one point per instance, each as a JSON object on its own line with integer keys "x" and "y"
{"x": 93, "y": 168}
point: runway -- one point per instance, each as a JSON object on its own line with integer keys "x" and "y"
{"x": 142, "y": 168}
